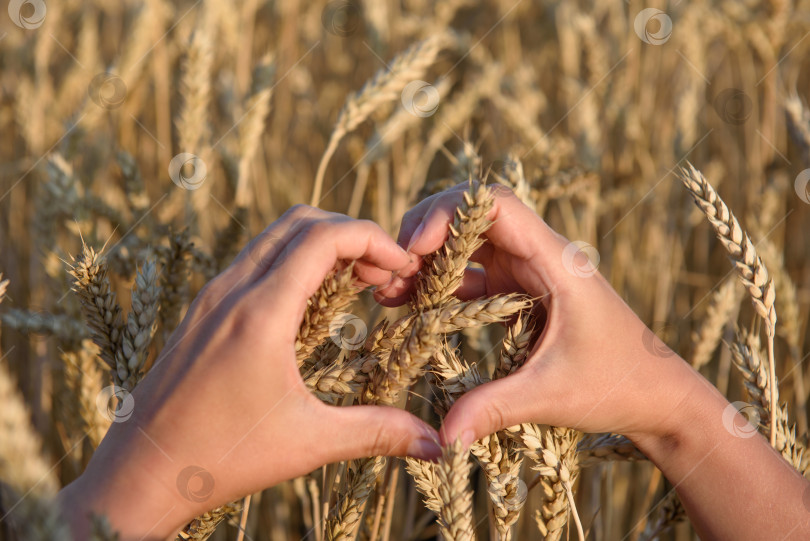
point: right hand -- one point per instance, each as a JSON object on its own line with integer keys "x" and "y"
{"x": 589, "y": 369}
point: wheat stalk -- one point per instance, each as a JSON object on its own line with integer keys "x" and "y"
{"x": 743, "y": 254}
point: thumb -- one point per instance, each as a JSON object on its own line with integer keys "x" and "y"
{"x": 363, "y": 431}
{"x": 487, "y": 409}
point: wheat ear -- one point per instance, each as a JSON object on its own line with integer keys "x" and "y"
{"x": 443, "y": 271}
{"x": 203, "y": 527}
{"x": 337, "y": 291}
{"x": 598, "y": 448}
{"x": 141, "y": 324}
{"x": 445, "y": 487}
{"x": 743, "y": 254}
{"x": 174, "y": 291}
{"x": 554, "y": 452}
{"x": 100, "y": 308}
{"x": 385, "y": 87}
{"x": 722, "y": 306}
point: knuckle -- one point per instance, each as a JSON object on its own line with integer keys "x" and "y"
{"x": 299, "y": 211}
{"x": 501, "y": 191}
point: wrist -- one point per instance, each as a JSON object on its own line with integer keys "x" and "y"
{"x": 130, "y": 491}
{"x": 678, "y": 424}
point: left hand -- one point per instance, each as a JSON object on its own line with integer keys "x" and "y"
{"x": 224, "y": 412}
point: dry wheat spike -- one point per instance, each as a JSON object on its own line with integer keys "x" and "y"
{"x": 455, "y": 495}
{"x": 337, "y": 291}
{"x": 443, "y": 271}
{"x": 747, "y": 358}
{"x": 553, "y": 450}
{"x": 174, "y": 290}
{"x": 203, "y": 527}
{"x": 598, "y": 448}
{"x": 100, "y": 308}
{"x": 723, "y": 304}
{"x": 670, "y": 511}
{"x": 141, "y": 323}
{"x": 743, "y": 254}
{"x": 385, "y": 87}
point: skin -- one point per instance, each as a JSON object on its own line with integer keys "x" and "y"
{"x": 590, "y": 370}
{"x": 225, "y": 395}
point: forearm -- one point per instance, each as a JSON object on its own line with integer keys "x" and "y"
{"x": 722, "y": 478}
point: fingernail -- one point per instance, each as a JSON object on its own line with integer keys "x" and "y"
{"x": 415, "y": 236}
{"x": 424, "y": 448}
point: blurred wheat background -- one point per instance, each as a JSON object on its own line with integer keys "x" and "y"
{"x": 171, "y": 133}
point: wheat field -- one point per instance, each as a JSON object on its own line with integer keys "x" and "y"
{"x": 144, "y": 144}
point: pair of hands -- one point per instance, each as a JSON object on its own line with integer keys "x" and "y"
{"x": 225, "y": 413}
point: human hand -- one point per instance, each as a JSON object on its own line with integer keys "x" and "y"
{"x": 224, "y": 412}
{"x": 589, "y": 368}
